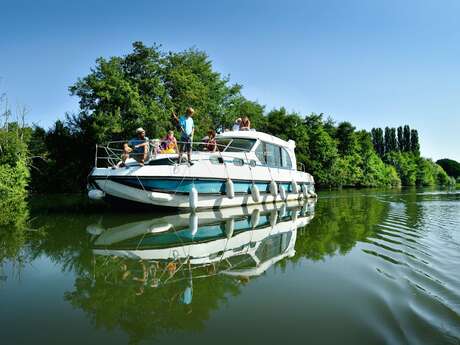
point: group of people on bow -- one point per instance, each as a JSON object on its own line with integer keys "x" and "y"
{"x": 138, "y": 147}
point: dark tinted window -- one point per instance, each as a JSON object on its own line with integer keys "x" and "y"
{"x": 235, "y": 144}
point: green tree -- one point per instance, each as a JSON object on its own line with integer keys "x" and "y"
{"x": 427, "y": 172}
{"x": 191, "y": 81}
{"x": 140, "y": 89}
{"x": 345, "y": 135}
{"x": 401, "y": 144}
{"x": 393, "y": 144}
{"x": 450, "y": 166}
{"x": 387, "y": 140}
{"x": 378, "y": 141}
{"x": 414, "y": 142}
{"x": 374, "y": 171}
{"x": 405, "y": 165}
{"x": 321, "y": 150}
{"x": 406, "y": 136}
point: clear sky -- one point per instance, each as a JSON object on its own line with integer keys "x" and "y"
{"x": 370, "y": 62}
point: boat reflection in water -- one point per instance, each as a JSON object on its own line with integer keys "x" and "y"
{"x": 241, "y": 242}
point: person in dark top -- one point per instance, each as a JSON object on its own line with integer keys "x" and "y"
{"x": 138, "y": 147}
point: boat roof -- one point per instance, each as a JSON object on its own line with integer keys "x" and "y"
{"x": 268, "y": 138}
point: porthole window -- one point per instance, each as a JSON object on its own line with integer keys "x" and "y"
{"x": 214, "y": 159}
{"x": 238, "y": 162}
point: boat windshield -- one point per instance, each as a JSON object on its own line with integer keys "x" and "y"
{"x": 235, "y": 144}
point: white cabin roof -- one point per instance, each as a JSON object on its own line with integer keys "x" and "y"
{"x": 268, "y": 138}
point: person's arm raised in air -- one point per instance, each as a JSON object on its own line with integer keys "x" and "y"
{"x": 175, "y": 117}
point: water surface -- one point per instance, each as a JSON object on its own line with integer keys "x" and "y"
{"x": 358, "y": 266}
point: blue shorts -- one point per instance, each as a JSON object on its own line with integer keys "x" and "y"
{"x": 186, "y": 143}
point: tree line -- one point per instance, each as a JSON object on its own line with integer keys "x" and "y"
{"x": 142, "y": 88}
{"x": 402, "y": 139}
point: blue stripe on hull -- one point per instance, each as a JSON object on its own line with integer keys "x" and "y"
{"x": 185, "y": 186}
{"x": 202, "y": 186}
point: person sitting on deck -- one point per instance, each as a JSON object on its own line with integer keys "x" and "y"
{"x": 211, "y": 142}
{"x": 169, "y": 143}
{"x": 245, "y": 124}
{"x": 187, "y": 127}
{"x": 140, "y": 148}
{"x": 236, "y": 125}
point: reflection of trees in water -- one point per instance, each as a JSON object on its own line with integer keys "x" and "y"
{"x": 130, "y": 294}
{"x": 13, "y": 224}
{"x": 144, "y": 298}
{"x": 112, "y": 298}
{"x": 339, "y": 223}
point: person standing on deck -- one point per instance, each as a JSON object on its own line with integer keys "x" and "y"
{"x": 187, "y": 128}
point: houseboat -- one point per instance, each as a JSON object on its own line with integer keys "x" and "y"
{"x": 248, "y": 167}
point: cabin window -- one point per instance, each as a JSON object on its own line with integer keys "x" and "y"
{"x": 273, "y": 155}
{"x": 260, "y": 153}
{"x": 285, "y": 159}
{"x": 235, "y": 144}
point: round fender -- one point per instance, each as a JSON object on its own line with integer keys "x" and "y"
{"x": 94, "y": 229}
{"x": 304, "y": 209}
{"x": 305, "y": 190}
{"x": 313, "y": 194}
{"x": 193, "y": 223}
{"x": 229, "y": 227}
{"x": 282, "y": 193}
{"x": 193, "y": 198}
{"x": 96, "y": 194}
{"x": 255, "y": 218}
{"x": 230, "y": 189}
{"x": 273, "y": 217}
{"x": 273, "y": 188}
{"x": 282, "y": 210}
{"x": 255, "y": 193}
{"x": 294, "y": 187}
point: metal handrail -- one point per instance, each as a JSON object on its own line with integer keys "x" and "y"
{"x": 112, "y": 155}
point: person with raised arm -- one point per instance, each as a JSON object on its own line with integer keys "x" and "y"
{"x": 187, "y": 128}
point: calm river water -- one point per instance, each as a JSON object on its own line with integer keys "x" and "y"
{"x": 357, "y": 266}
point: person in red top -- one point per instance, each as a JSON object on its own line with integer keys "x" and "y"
{"x": 211, "y": 143}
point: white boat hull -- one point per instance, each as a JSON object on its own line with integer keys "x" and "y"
{"x": 182, "y": 201}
